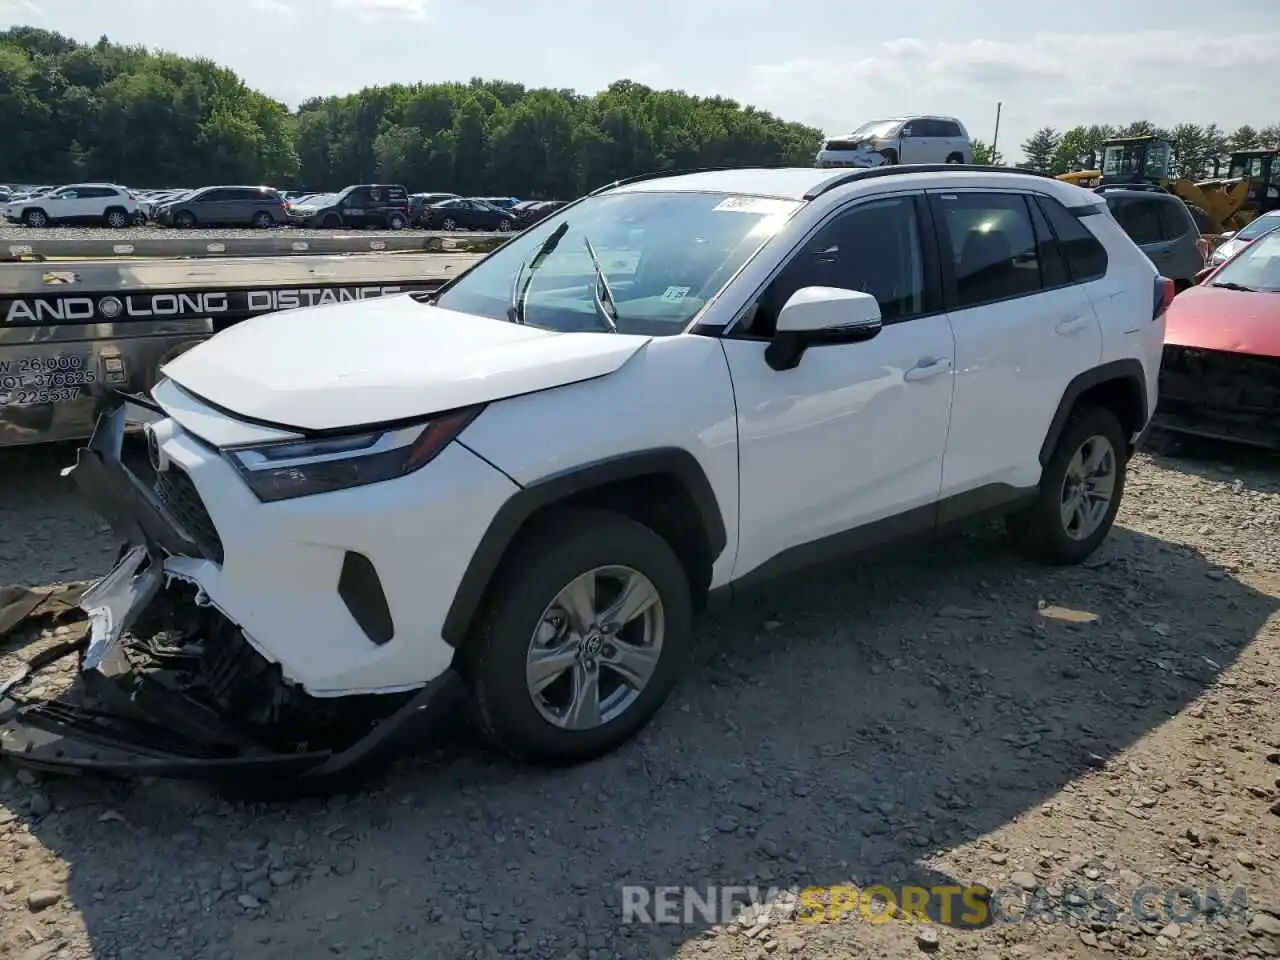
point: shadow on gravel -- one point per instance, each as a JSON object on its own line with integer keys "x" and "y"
{"x": 840, "y": 728}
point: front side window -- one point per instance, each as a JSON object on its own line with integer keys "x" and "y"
{"x": 993, "y": 246}
{"x": 873, "y": 248}
{"x": 1257, "y": 267}
{"x": 643, "y": 261}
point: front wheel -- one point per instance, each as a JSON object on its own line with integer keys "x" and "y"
{"x": 581, "y": 640}
{"x": 263, "y": 220}
{"x": 184, "y": 220}
{"x": 504, "y": 226}
{"x": 1080, "y": 491}
{"x": 117, "y": 219}
{"x": 396, "y": 222}
{"x": 448, "y": 223}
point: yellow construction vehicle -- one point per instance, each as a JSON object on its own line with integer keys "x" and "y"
{"x": 1143, "y": 163}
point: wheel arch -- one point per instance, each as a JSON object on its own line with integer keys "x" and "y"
{"x": 664, "y": 488}
{"x": 1120, "y": 386}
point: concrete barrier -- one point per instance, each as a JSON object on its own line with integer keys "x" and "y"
{"x": 282, "y": 243}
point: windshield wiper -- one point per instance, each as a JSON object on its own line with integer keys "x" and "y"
{"x": 520, "y": 294}
{"x": 1234, "y": 286}
{"x": 609, "y": 313}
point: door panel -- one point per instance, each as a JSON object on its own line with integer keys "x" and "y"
{"x": 856, "y": 432}
{"x": 1022, "y": 334}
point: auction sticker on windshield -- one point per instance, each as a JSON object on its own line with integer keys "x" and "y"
{"x": 765, "y": 206}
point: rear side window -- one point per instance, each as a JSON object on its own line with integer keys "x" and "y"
{"x": 1139, "y": 218}
{"x": 951, "y": 129}
{"x": 993, "y": 246}
{"x": 1175, "y": 219}
{"x": 1085, "y": 256}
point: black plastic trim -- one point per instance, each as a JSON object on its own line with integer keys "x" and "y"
{"x": 1126, "y": 369}
{"x": 361, "y": 590}
{"x": 506, "y": 524}
{"x": 925, "y": 521}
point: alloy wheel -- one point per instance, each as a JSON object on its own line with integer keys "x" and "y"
{"x": 1088, "y": 487}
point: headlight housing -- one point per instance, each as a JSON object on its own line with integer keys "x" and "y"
{"x": 302, "y": 468}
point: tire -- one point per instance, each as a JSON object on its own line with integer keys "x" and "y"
{"x": 955, "y": 158}
{"x": 395, "y": 222}
{"x": 504, "y": 226}
{"x": 116, "y": 219}
{"x": 330, "y": 222}
{"x": 566, "y": 547}
{"x": 35, "y": 218}
{"x": 184, "y": 220}
{"x": 448, "y": 223}
{"x": 1040, "y": 532}
{"x": 263, "y": 220}
{"x": 890, "y": 157}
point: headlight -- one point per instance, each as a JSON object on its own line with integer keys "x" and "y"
{"x": 301, "y": 468}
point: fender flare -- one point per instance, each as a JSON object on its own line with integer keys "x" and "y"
{"x": 556, "y": 487}
{"x": 1128, "y": 369}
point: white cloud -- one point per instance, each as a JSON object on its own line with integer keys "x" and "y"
{"x": 375, "y": 10}
{"x": 19, "y": 10}
{"x": 277, "y": 7}
{"x": 1050, "y": 79}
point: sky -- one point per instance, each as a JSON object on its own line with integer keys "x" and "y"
{"x": 833, "y": 64}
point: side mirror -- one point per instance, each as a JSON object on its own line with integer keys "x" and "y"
{"x": 818, "y": 316}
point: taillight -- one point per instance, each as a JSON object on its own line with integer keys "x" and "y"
{"x": 1164, "y": 292}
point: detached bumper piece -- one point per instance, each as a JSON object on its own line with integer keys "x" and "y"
{"x": 1221, "y": 396}
{"x": 169, "y": 687}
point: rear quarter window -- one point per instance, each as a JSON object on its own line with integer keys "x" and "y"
{"x": 1085, "y": 256}
{"x": 1175, "y": 219}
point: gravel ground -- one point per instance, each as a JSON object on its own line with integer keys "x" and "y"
{"x": 944, "y": 716}
{"x": 11, "y": 233}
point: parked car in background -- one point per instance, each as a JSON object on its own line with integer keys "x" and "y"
{"x": 529, "y": 212}
{"x": 224, "y": 207}
{"x": 1237, "y": 241}
{"x": 1222, "y": 350}
{"x": 468, "y": 214}
{"x": 374, "y": 205}
{"x": 502, "y": 203}
{"x": 83, "y": 203}
{"x": 900, "y": 140}
{"x": 420, "y": 201}
{"x": 1162, "y": 226}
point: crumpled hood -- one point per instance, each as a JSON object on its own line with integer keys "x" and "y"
{"x": 1234, "y": 321}
{"x": 390, "y": 358}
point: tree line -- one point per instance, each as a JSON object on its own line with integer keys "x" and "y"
{"x": 104, "y": 111}
{"x": 1197, "y": 151}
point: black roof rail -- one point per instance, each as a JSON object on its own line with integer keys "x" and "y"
{"x": 876, "y": 173}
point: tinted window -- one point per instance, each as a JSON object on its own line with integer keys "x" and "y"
{"x": 874, "y": 248}
{"x": 1085, "y": 255}
{"x": 1175, "y": 219}
{"x": 1258, "y": 227}
{"x": 96, "y": 192}
{"x": 210, "y": 196}
{"x": 948, "y": 128}
{"x": 1053, "y": 267}
{"x": 1138, "y": 217}
{"x": 993, "y": 246}
{"x": 396, "y": 194}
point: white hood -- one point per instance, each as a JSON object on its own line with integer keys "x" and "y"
{"x": 390, "y": 358}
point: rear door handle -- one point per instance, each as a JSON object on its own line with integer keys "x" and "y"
{"x": 927, "y": 369}
{"x": 1071, "y": 325}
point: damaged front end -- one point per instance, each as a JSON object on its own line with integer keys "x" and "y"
{"x": 1220, "y": 395}
{"x": 167, "y": 685}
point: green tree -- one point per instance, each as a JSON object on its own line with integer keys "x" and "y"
{"x": 1040, "y": 149}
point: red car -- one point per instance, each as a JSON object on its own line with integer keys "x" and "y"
{"x": 1221, "y": 372}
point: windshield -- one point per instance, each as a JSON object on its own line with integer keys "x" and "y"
{"x": 1258, "y": 227}
{"x": 1257, "y": 267}
{"x": 662, "y": 256}
{"x": 876, "y": 128}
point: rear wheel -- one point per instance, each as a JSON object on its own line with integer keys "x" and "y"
{"x": 396, "y": 222}
{"x": 448, "y": 223}
{"x": 955, "y": 158}
{"x": 581, "y": 639}
{"x": 1080, "y": 491}
{"x": 262, "y": 220}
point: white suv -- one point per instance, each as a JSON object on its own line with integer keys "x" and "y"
{"x": 81, "y": 203}
{"x": 901, "y": 140}
{"x": 525, "y": 484}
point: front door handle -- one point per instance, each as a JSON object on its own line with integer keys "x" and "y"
{"x": 927, "y": 369}
{"x": 1071, "y": 325}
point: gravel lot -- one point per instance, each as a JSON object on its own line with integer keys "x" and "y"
{"x": 948, "y": 715}
{"x": 12, "y": 233}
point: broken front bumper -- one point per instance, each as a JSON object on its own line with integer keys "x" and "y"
{"x": 1220, "y": 395}
{"x": 139, "y": 707}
